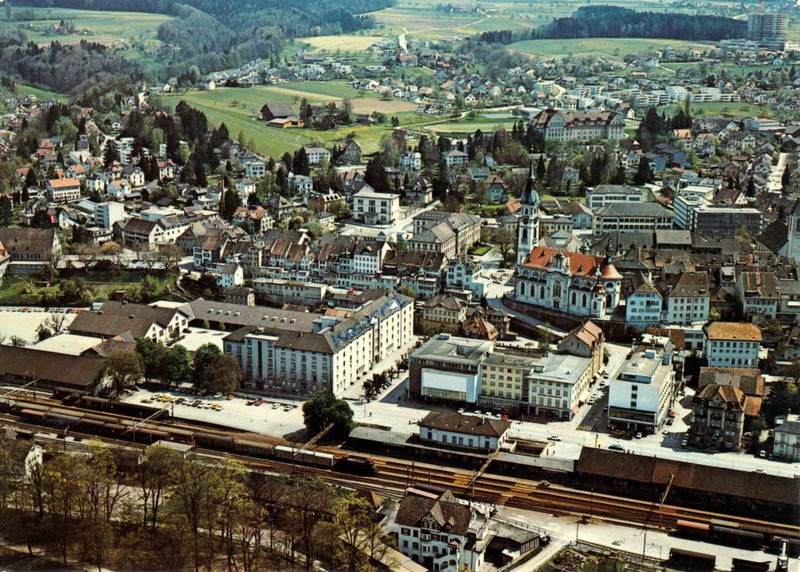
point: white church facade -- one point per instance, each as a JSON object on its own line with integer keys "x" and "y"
{"x": 570, "y": 282}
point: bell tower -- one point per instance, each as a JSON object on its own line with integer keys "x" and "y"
{"x": 528, "y": 226}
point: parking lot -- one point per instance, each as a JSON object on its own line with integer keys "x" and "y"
{"x": 259, "y": 415}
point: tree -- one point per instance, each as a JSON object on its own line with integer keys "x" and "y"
{"x": 325, "y": 409}
{"x": 363, "y": 539}
{"x": 111, "y": 154}
{"x": 158, "y": 470}
{"x": 6, "y": 211}
{"x": 643, "y": 174}
{"x": 177, "y": 364}
{"x": 375, "y": 174}
{"x": 124, "y": 368}
{"x": 222, "y": 375}
{"x": 504, "y": 239}
{"x": 203, "y": 357}
{"x": 230, "y": 202}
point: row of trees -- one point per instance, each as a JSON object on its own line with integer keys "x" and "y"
{"x": 210, "y": 369}
{"x": 164, "y": 511}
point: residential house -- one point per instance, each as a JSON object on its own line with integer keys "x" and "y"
{"x": 732, "y": 344}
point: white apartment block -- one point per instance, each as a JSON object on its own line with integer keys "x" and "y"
{"x": 641, "y": 395}
{"x": 732, "y": 344}
{"x": 372, "y": 207}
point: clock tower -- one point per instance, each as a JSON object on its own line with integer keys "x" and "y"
{"x": 528, "y": 226}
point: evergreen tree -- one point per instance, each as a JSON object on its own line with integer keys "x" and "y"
{"x": 644, "y": 173}
{"x": 111, "y": 153}
{"x": 300, "y": 165}
{"x": 375, "y": 174}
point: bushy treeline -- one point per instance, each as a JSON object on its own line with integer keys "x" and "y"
{"x": 158, "y": 510}
{"x": 618, "y": 22}
{"x": 59, "y": 67}
{"x": 204, "y": 36}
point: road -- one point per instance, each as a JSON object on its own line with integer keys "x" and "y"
{"x": 775, "y": 180}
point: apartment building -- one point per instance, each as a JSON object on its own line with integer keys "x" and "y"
{"x": 64, "y": 190}
{"x": 640, "y": 397}
{"x": 372, "y": 207}
{"x": 732, "y": 344}
{"x": 301, "y": 352}
{"x": 689, "y": 300}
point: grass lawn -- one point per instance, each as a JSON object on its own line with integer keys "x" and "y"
{"x": 244, "y": 116}
{"x": 739, "y": 108}
{"x": 39, "y": 93}
{"x": 344, "y": 43}
{"x": 613, "y": 47}
{"x": 20, "y": 290}
{"x": 92, "y": 25}
{"x": 481, "y": 250}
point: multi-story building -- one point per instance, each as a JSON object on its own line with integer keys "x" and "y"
{"x": 288, "y": 351}
{"x": 603, "y": 195}
{"x": 467, "y": 371}
{"x": 732, "y": 344}
{"x": 641, "y": 395}
{"x": 787, "y": 438}
{"x": 570, "y": 282}
{"x": 108, "y": 213}
{"x": 372, "y": 207}
{"x": 289, "y": 291}
{"x": 563, "y": 126}
{"x": 695, "y": 213}
{"x": 643, "y": 305}
{"x": 768, "y": 28}
{"x": 455, "y": 158}
{"x": 689, "y": 300}
{"x": 718, "y": 416}
{"x": 625, "y": 217}
{"x": 317, "y": 155}
{"x": 64, "y": 190}
{"x": 474, "y": 432}
{"x": 437, "y": 531}
{"x": 30, "y": 249}
{"x": 443, "y": 314}
{"x": 452, "y": 234}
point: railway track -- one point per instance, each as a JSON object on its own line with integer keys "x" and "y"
{"x": 394, "y": 475}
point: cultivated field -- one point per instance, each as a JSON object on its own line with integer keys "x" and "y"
{"x": 94, "y": 26}
{"x": 610, "y": 47}
{"x": 240, "y": 109}
{"x": 421, "y": 21}
{"x": 344, "y": 43}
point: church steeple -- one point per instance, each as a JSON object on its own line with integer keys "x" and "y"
{"x": 528, "y": 225}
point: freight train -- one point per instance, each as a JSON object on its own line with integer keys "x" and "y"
{"x": 108, "y": 424}
{"x": 733, "y": 534}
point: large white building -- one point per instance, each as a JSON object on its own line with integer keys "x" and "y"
{"x": 732, "y": 344}
{"x": 372, "y": 207}
{"x": 641, "y": 395}
{"x": 571, "y": 282}
{"x": 467, "y": 371}
{"x": 301, "y": 352}
{"x": 564, "y": 126}
{"x": 603, "y": 195}
{"x": 689, "y": 300}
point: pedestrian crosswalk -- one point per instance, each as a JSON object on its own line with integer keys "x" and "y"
{"x": 584, "y": 427}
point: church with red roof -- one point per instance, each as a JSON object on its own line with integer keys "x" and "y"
{"x": 572, "y": 282}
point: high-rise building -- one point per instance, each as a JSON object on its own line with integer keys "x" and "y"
{"x": 767, "y": 28}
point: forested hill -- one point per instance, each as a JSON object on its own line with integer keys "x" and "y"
{"x": 204, "y": 36}
{"x": 618, "y": 22}
{"x": 292, "y": 17}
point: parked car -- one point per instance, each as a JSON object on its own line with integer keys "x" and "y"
{"x": 554, "y": 438}
{"x": 616, "y": 447}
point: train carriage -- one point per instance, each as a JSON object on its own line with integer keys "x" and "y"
{"x": 681, "y": 559}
